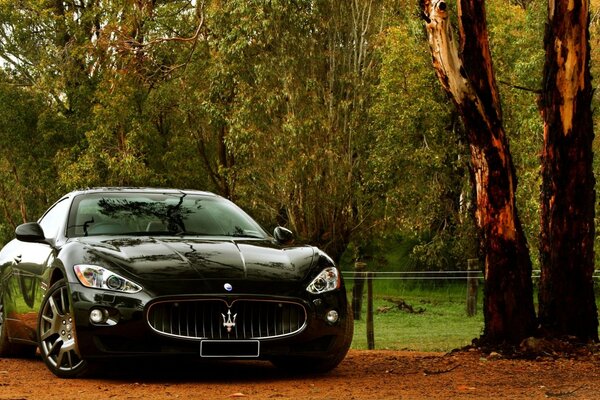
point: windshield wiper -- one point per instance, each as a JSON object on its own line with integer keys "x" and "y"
{"x": 170, "y": 233}
{"x": 247, "y": 235}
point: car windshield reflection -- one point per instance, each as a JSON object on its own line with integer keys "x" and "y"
{"x": 151, "y": 214}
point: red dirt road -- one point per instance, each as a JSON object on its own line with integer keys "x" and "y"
{"x": 362, "y": 375}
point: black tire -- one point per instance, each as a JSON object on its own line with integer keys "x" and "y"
{"x": 8, "y": 349}
{"x": 57, "y": 336}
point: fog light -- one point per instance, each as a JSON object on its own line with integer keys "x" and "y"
{"x": 98, "y": 316}
{"x": 332, "y": 316}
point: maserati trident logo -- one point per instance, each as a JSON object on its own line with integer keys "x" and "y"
{"x": 229, "y": 322}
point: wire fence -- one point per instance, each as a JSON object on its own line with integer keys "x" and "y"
{"x": 419, "y": 310}
{"x": 427, "y": 275}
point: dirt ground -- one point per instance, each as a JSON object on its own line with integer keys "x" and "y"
{"x": 362, "y": 375}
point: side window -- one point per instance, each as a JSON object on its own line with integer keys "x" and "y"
{"x": 55, "y": 218}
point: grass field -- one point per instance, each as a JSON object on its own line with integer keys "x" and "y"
{"x": 442, "y": 326}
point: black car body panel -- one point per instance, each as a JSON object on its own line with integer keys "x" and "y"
{"x": 160, "y": 258}
{"x": 224, "y": 292}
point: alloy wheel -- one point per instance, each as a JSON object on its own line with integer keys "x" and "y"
{"x": 58, "y": 343}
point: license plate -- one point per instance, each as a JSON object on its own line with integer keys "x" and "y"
{"x": 229, "y": 348}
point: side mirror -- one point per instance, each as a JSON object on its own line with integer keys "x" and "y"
{"x": 283, "y": 235}
{"x": 30, "y": 232}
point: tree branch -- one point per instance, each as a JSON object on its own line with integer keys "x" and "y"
{"x": 526, "y": 89}
{"x": 194, "y": 38}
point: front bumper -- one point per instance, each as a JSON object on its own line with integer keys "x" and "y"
{"x": 128, "y": 333}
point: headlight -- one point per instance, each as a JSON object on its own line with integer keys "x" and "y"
{"x": 96, "y": 277}
{"x": 327, "y": 280}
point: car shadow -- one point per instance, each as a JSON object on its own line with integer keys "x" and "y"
{"x": 151, "y": 370}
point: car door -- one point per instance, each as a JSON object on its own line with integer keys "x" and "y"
{"x": 31, "y": 260}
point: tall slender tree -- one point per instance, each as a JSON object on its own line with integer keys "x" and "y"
{"x": 468, "y": 78}
{"x": 566, "y": 299}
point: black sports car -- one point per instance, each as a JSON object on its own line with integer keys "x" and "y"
{"x": 141, "y": 272}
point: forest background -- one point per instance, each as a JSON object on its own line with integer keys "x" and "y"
{"x": 325, "y": 116}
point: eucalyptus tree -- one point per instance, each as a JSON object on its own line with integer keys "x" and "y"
{"x": 567, "y": 303}
{"x": 327, "y": 124}
{"x": 97, "y": 62}
{"x": 278, "y": 110}
{"x": 140, "y": 47}
{"x": 46, "y": 94}
{"x": 45, "y": 45}
{"x": 468, "y": 78}
{"x": 27, "y": 146}
{"x": 566, "y": 297}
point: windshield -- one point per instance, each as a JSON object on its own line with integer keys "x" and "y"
{"x": 158, "y": 214}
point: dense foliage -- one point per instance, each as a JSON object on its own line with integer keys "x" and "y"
{"x": 323, "y": 115}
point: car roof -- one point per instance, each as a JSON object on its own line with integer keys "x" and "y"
{"x": 117, "y": 189}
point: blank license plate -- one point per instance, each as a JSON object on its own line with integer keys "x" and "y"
{"x": 229, "y": 348}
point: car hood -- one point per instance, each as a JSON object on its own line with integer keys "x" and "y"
{"x": 157, "y": 258}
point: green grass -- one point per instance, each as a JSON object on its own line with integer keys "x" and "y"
{"x": 443, "y": 326}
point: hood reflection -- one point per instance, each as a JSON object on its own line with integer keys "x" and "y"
{"x": 151, "y": 258}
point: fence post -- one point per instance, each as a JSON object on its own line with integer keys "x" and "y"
{"x": 370, "y": 327}
{"x": 472, "y": 285}
{"x": 358, "y": 288}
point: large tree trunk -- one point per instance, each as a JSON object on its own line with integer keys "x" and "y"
{"x": 468, "y": 78}
{"x": 566, "y": 299}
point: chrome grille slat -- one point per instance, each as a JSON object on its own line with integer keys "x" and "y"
{"x": 175, "y": 322}
{"x": 259, "y": 322}
{"x": 244, "y": 324}
{"x": 212, "y": 333}
{"x": 252, "y": 322}
{"x": 195, "y": 324}
{"x": 203, "y": 319}
{"x": 187, "y": 322}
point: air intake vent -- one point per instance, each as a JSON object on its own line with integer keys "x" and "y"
{"x": 214, "y": 319}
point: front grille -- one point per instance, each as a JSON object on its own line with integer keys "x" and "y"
{"x": 215, "y": 319}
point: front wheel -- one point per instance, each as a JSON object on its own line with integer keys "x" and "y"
{"x": 57, "y": 336}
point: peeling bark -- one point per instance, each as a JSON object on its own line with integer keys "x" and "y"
{"x": 467, "y": 75}
{"x": 566, "y": 297}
